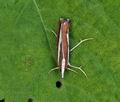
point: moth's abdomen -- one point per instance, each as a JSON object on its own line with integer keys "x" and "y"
{"x": 63, "y": 56}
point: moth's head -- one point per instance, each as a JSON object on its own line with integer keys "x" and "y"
{"x": 65, "y": 21}
{"x": 65, "y": 24}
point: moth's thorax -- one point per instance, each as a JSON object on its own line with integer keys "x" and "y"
{"x": 63, "y": 43}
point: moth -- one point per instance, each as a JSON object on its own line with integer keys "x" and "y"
{"x": 63, "y": 50}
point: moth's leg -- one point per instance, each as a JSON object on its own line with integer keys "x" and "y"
{"x": 53, "y": 69}
{"x": 71, "y": 70}
{"x": 79, "y": 69}
{"x": 81, "y": 41}
{"x": 53, "y": 32}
